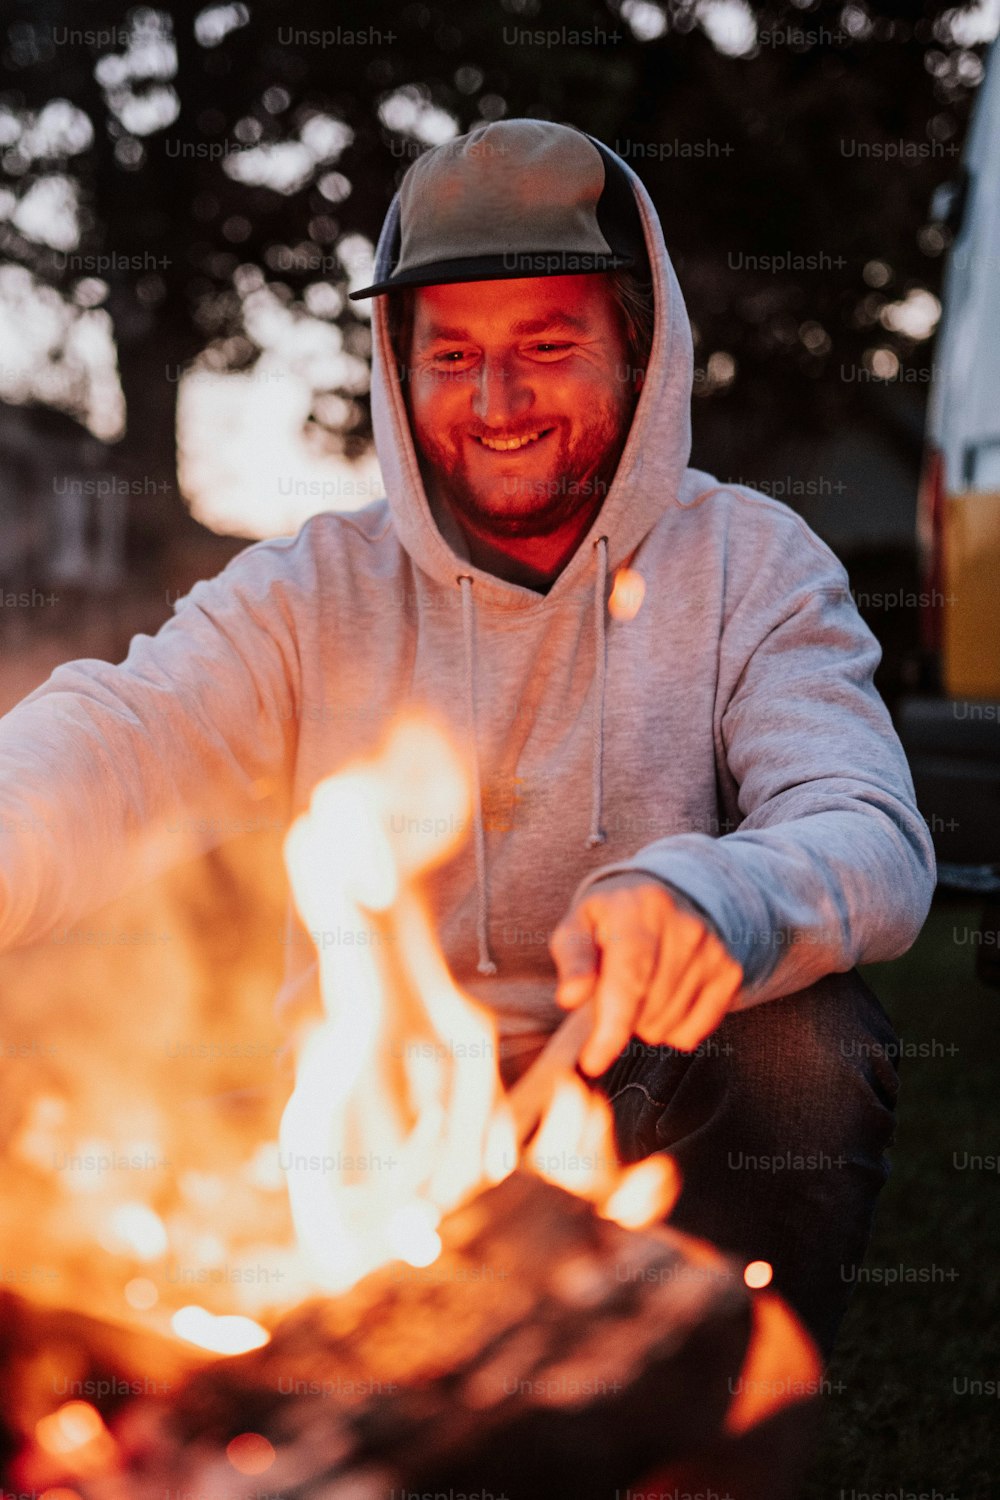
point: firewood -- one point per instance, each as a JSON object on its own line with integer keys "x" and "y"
{"x": 51, "y": 1355}
{"x": 546, "y": 1352}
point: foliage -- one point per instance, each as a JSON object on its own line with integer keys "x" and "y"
{"x": 817, "y": 147}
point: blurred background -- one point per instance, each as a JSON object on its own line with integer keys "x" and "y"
{"x": 187, "y": 194}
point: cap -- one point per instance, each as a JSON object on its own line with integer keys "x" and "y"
{"x": 510, "y": 199}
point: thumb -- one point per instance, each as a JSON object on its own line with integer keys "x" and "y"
{"x": 575, "y": 953}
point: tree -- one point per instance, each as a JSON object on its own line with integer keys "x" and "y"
{"x": 241, "y": 157}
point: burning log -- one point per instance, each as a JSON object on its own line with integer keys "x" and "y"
{"x": 54, "y": 1359}
{"x": 547, "y": 1351}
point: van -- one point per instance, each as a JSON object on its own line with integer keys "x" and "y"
{"x": 959, "y": 502}
{"x": 952, "y": 733}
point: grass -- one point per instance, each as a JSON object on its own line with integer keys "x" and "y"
{"x": 902, "y": 1418}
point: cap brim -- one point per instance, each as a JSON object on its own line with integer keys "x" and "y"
{"x": 512, "y": 266}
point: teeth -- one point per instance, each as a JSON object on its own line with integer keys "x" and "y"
{"x": 505, "y": 445}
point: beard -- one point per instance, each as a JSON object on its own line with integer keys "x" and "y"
{"x": 514, "y": 505}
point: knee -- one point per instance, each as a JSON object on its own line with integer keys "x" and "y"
{"x": 818, "y": 1066}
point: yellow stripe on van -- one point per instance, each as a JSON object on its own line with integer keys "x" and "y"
{"x": 971, "y": 573}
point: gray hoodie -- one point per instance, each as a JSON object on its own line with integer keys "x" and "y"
{"x": 727, "y": 740}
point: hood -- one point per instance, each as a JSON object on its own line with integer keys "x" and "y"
{"x": 649, "y": 471}
{"x": 645, "y": 485}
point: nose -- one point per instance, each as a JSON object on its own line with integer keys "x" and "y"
{"x": 502, "y": 394}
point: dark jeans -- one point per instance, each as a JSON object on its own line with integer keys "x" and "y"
{"x": 779, "y": 1122}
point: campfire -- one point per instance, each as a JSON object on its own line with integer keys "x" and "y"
{"x": 404, "y": 1067}
{"x": 470, "y": 1291}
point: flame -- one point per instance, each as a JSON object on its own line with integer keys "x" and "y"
{"x": 397, "y": 1114}
{"x": 574, "y": 1149}
{"x": 76, "y": 1434}
{"x": 647, "y": 1192}
{"x": 135, "y": 1227}
{"x": 390, "y": 1122}
{"x": 73, "y": 1426}
{"x": 225, "y": 1333}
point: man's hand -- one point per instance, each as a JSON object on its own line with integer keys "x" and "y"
{"x": 656, "y": 971}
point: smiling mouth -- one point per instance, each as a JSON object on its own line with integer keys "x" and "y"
{"x": 512, "y": 444}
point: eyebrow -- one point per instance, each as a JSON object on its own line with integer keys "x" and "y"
{"x": 548, "y": 322}
{"x": 554, "y": 319}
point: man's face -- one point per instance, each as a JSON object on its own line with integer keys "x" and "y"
{"x": 519, "y": 397}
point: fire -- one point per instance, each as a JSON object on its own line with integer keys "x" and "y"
{"x": 136, "y": 1228}
{"x": 391, "y": 1122}
{"x": 574, "y": 1149}
{"x": 397, "y": 1115}
{"x": 225, "y": 1333}
{"x": 75, "y": 1432}
{"x": 73, "y": 1426}
{"x": 646, "y": 1192}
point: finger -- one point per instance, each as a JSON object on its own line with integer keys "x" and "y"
{"x": 576, "y": 958}
{"x": 610, "y": 1036}
{"x": 690, "y": 975}
{"x": 629, "y": 956}
{"x": 680, "y": 982}
{"x": 711, "y": 1006}
{"x": 673, "y": 986}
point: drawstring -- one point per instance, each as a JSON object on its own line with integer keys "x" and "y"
{"x": 596, "y": 835}
{"x": 485, "y": 964}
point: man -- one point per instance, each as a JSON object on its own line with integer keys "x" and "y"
{"x": 696, "y": 811}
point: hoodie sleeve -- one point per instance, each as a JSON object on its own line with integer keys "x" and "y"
{"x": 831, "y": 864}
{"x": 108, "y": 774}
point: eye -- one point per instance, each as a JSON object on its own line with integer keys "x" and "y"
{"x": 548, "y": 349}
{"x": 452, "y": 361}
